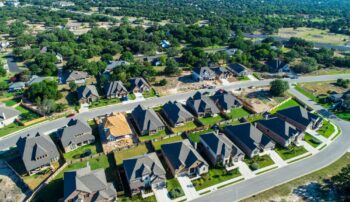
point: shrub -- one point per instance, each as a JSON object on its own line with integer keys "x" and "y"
{"x": 254, "y": 166}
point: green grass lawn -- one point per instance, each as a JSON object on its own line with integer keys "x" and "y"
{"x": 104, "y": 102}
{"x": 174, "y": 188}
{"x": 215, "y": 176}
{"x": 343, "y": 115}
{"x": 131, "y": 96}
{"x": 13, "y": 127}
{"x": 128, "y": 153}
{"x": 255, "y": 117}
{"x": 306, "y": 93}
{"x": 186, "y": 127}
{"x": 27, "y": 115}
{"x": 159, "y": 134}
{"x": 10, "y": 103}
{"x": 261, "y": 161}
{"x": 150, "y": 93}
{"x": 291, "y": 152}
{"x": 194, "y": 137}
{"x": 78, "y": 153}
{"x": 238, "y": 113}
{"x": 209, "y": 121}
{"x": 326, "y": 130}
{"x": 137, "y": 198}
{"x": 242, "y": 78}
{"x": 54, "y": 190}
{"x": 157, "y": 144}
{"x": 312, "y": 140}
{"x": 289, "y": 103}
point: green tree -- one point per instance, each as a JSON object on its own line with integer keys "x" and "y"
{"x": 73, "y": 86}
{"x": 127, "y": 56}
{"x": 278, "y": 87}
{"x": 172, "y": 67}
{"x": 342, "y": 183}
{"x": 3, "y": 71}
{"x": 46, "y": 89}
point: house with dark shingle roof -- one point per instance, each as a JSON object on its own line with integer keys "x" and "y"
{"x": 220, "y": 150}
{"x": 16, "y": 86}
{"x": 183, "y": 159}
{"x": 115, "y": 89}
{"x": 249, "y": 139}
{"x": 87, "y": 94}
{"x": 114, "y": 64}
{"x": 226, "y": 101}
{"x": 203, "y": 73}
{"x": 146, "y": 120}
{"x": 144, "y": 172}
{"x": 202, "y": 106}
{"x": 277, "y": 66}
{"x": 75, "y": 134}
{"x": 88, "y": 185}
{"x": 37, "y": 153}
{"x": 238, "y": 69}
{"x": 77, "y": 77}
{"x": 280, "y": 131}
{"x": 299, "y": 117}
{"x": 176, "y": 114}
{"x": 8, "y": 115}
{"x": 222, "y": 72}
{"x": 139, "y": 85}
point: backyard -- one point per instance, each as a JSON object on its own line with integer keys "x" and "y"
{"x": 258, "y": 162}
{"x": 159, "y": 134}
{"x": 157, "y": 144}
{"x": 195, "y": 137}
{"x": 215, "y": 176}
{"x": 27, "y": 115}
{"x": 119, "y": 156}
{"x": 84, "y": 151}
{"x": 237, "y": 113}
{"x": 209, "y": 121}
{"x": 287, "y": 104}
{"x": 290, "y": 152}
{"x": 186, "y": 127}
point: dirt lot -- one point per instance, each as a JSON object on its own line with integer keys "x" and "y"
{"x": 319, "y": 88}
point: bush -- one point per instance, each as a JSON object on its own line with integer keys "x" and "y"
{"x": 254, "y": 166}
{"x": 316, "y": 141}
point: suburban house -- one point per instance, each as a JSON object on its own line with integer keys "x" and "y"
{"x": 115, "y": 89}
{"x": 144, "y": 172}
{"x": 225, "y": 101}
{"x": 88, "y": 185}
{"x": 165, "y": 44}
{"x": 4, "y": 45}
{"x": 341, "y": 100}
{"x": 249, "y": 139}
{"x": 203, "y": 73}
{"x": 183, "y": 159}
{"x": 8, "y": 115}
{"x": 35, "y": 79}
{"x": 202, "y": 106}
{"x": 87, "y": 94}
{"x": 220, "y": 150}
{"x": 280, "y": 131}
{"x": 37, "y": 153}
{"x": 139, "y": 85}
{"x": 115, "y": 128}
{"x": 146, "y": 120}
{"x": 277, "y": 66}
{"x": 75, "y": 134}
{"x": 78, "y": 77}
{"x": 300, "y": 117}
{"x": 17, "y": 86}
{"x": 114, "y": 64}
{"x": 176, "y": 114}
{"x": 222, "y": 72}
{"x": 238, "y": 69}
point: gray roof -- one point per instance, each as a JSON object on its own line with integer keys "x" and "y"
{"x": 176, "y": 112}
{"x": 226, "y": 100}
{"x": 220, "y": 70}
{"x": 299, "y": 114}
{"x": 86, "y": 91}
{"x": 146, "y": 119}
{"x": 17, "y": 85}
{"x": 280, "y": 127}
{"x": 220, "y": 144}
{"x": 76, "y": 75}
{"x": 181, "y": 153}
{"x": 8, "y": 113}
{"x": 37, "y": 151}
{"x": 237, "y": 68}
{"x": 199, "y": 103}
{"x": 114, "y": 87}
{"x": 88, "y": 181}
{"x": 35, "y": 79}
{"x": 138, "y": 82}
{"x": 275, "y": 65}
{"x": 72, "y": 133}
{"x": 201, "y": 71}
{"x": 113, "y": 64}
{"x": 145, "y": 165}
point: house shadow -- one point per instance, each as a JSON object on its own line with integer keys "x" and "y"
{"x": 314, "y": 192}
{"x": 186, "y": 79}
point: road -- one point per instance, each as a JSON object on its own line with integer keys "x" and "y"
{"x": 46, "y": 127}
{"x": 277, "y": 177}
{"x": 12, "y": 65}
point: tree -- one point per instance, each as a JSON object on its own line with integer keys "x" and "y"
{"x": 342, "y": 183}
{"x": 307, "y": 65}
{"x": 3, "y": 85}
{"x": 73, "y": 86}
{"x": 343, "y": 83}
{"x": 278, "y": 87}
{"x": 163, "y": 82}
{"x": 106, "y": 57}
{"x": 127, "y": 56}
{"x": 172, "y": 67}
{"x": 3, "y": 71}
{"x": 46, "y": 89}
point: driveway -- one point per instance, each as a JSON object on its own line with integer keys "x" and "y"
{"x": 188, "y": 187}
{"x": 12, "y": 65}
{"x": 245, "y": 170}
{"x": 139, "y": 96}
{"x": 225, "y": 82}
{"x": 161, "y": 194}
{"x": 252, "y": 78}
{"x": 277, "y": 159}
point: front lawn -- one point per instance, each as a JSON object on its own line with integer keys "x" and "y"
{"x": 290, "y": 152}
{"x": 237, "y": 113}
{"x": 159, "y": 134}
{"x": 13, "y": 127}
{"x": 215, "y": 176}
{"x": 258, "y": 162}
{"x": 343, "y": 115}
{"x": 131, "y": 96}
{"x": 26, "y": 114}
{"x": 242, "y": 78}
{"x": 150, "y": 93}
{"x": 157, "y": 144}
{"x": 314, "y": 142}
{"x": 194, "y": 137}
{"x": 255, "y": 117}
{"x": 287, "y": 104}
{"x": 174, "y": 188}
{"x": 209, "y": 121}
{"x": 128, "y": 153}
{"x": 186, "y": 127}
{"x": 327, "y": 129}
{"x": 307, "y": 93}
{"x": 10, "y": 103}
{"x": 86, "y": 150}
{"x": 104, "y": 102}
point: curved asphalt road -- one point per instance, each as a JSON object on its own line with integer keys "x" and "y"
{"x": 279, "y": 176}
{"x": 48, "y": 127}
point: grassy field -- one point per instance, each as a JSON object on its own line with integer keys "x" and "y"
{"x": 312, "y": 140}
{"x": 329, "y": 71}
{"x": 215, "y": 176}
{"x": 261, "y": 161}
{"x": 326, "y": 130}
{"x": 125, "y": 154}
{"x": 289, "y": 103}
{"x": 194, "y": 137}
{"x": 78, "y": 153}
{"x": 317, "y": 176}
{"x": 209, "y": 121}
{"x": 157, "y": 144}
{"x": 291, "y": 152}
{"x": 238, "y": 113}
{"x": 159, "y": 134}
{"x": 186, "y": 127}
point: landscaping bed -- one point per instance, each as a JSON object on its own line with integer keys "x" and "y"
{"x": 290, "y": 152}
{"x": 215, "y": 176}
{"x": 258, "y": 162}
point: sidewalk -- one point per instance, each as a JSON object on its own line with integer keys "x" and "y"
{"x": 318, "y": 136}
{"x": 161, "y": 194}
{"x": 277, "y": 159}
{"x": 245, "y": 170}
{"x": 309, "y": 148}
{"x": 188, "y": 187}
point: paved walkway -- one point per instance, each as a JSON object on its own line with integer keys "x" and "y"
{"x": 309, "y": 148}
{"x": 277, "y": 159}
{"x": 188, "y": 187}
{"x": 245, "y": 170}
{"x": 318, "y": 136}
{"x": 161, "y": 194}
{"x": 252, "y": 77}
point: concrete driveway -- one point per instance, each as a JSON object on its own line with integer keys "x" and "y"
{"x": 188, "y": 187}
{"x": 161, "y": 194}
{"x": 12, "y": 65}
